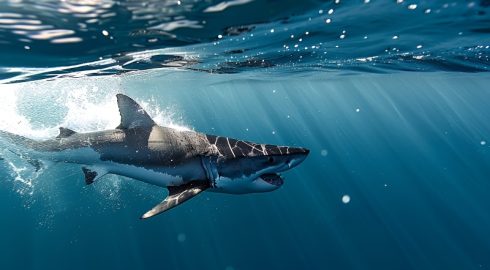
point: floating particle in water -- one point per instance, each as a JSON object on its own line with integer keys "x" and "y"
{"x": 399, "y": 1}
{"x": 328, "y": 20}
{"x": 272, "y": 30}
{"x": 324, "y": 152}
{"x": 330, "y": 11}
{"x": 181, "y": 237}
{"x": 366, "y": 1}
{"x": 342, "y": 36}
{"x": 292, "y": 36}
{"x": 358, "y": 110}
{"x": 412, "y": 6}
{"x": 274, "y": 91}
{"x": 427, "y": 11}
{"x": 320, "y": 11}
{"x": 419, "y": 46}
{"x": 220, "y": 36}
{"x": 27, "y": 47}
{"x": 346, "y": 199}
{"x": 483, "y": 142}
{"x": 105, "y": 33}
{"x": 395, "y": 37}
{"x": 273, "y": 132}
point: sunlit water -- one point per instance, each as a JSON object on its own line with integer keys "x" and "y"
{"x": 391, "y": 97}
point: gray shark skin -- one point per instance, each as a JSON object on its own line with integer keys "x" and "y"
{"x": 185, "y": 162}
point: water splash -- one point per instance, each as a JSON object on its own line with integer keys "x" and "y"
{"x": 81, "y": 107}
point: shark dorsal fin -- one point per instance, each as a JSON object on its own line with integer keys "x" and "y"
{"x": 65, "y": 132}
{"x": 132, "y": 115}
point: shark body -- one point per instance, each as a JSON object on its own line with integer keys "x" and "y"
{"x": 184, "y": 162}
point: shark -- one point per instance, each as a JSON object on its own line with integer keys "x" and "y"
{"x": 186, "y": 163}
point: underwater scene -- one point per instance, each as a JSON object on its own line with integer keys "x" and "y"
{"x": 244, "y": 134}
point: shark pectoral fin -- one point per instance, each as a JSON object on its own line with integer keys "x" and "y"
{"x": 178, "y": 195}
{"x": 93, "y": 173}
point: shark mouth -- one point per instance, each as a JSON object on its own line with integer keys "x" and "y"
{"x": 273, "y": 179}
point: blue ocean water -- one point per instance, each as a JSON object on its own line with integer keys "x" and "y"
{"x": 391, "y": 97}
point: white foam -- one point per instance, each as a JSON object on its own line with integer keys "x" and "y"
{"x": 11, "y": 120}
{"x": 86, "y": 108}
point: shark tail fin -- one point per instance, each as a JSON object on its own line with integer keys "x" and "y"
{"x": 16, "y": 142}
{"x": 178, "y": 195}
{"x": 18, "y": 146}
{"x": 17, "y": 152}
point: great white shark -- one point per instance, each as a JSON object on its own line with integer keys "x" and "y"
{"x": 185, "y": 162}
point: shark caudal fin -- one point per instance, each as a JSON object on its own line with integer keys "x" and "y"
{"x": 16, "y": 142}
{"x": 178, "y": 195}
{"x": 16, "y": 148}
{"x": 132, "y": 115}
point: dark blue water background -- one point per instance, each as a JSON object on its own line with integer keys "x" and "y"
{"x": 392, "y": 98}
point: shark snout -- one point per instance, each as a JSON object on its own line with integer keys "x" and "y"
{"x": 298, "y": 150}
{"x": 297, "y": 155}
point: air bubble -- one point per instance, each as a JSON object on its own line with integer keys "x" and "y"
{"x": 181, "y": 237}
{"x": 412, "y": 6}
{"x": 346, "y": 199}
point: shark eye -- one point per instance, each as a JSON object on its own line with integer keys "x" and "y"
{"x": 271, "y": 159}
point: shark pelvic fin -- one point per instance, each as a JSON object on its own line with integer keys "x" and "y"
{"x": 65, "y": 132}
{"x": 93, "y": 173}
{"x": 178, "y": 195}
{"x": 132, "y": 115}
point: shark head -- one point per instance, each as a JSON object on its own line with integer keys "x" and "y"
{"x": 245, "y": 167}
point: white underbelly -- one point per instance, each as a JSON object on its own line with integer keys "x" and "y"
{"x": 158, "y": 176}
